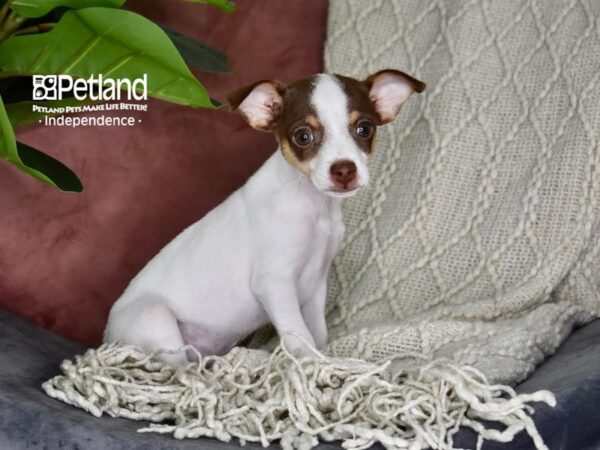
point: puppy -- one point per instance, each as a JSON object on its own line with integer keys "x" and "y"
{"x": 264, "y": 253}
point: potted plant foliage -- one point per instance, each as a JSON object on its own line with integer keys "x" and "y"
{"x": 86, "y": 38}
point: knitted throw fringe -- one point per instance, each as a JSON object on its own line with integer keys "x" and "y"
{"x": 255, "y": 396}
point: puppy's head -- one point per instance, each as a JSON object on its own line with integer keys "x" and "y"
{"x": 326, "y": 124}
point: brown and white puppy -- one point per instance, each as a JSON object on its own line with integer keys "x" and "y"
{"x": 263, "y": 254}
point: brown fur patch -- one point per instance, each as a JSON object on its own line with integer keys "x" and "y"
{"x": 298, "y": 112}
{"x": 291, "y": 157}
{"x": 313, "y": 121}
{"x": 360, "y": 108}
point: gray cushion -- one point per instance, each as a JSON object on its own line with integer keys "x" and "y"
{"x": 29, "y": 419}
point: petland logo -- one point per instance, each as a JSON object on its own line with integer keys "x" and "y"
{"x": 96, "y": 95}
{"x": 56, "y": 87}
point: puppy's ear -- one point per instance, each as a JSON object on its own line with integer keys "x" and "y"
{"x": 260, "y": 103}
{"x": 389, "y": 89}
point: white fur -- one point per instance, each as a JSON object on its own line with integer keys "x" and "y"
{"x": 261, "y": 256}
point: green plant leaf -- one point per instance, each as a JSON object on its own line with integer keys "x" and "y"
{"x": 39, "y": 8}
{"x": 112, "y": 42}
{"x": 60, "y": 176}
{"x": 34, "y": 162}
{"x": 224, "y": 5}
{"x": 196, "y": 54}
{"x": 21, "y": 114}
{"x": 16, "y": 89}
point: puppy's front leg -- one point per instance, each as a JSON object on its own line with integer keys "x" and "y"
{"x": 279, "y": 298}
{"x": 313, "y": 312}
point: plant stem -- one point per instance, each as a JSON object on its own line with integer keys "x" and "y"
{"x": 39, "y": 28}
{"x": 12, "y": 22}
{"x": 4, "y": 10}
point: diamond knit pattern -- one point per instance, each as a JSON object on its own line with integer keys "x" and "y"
{"x": 477, "y": 238}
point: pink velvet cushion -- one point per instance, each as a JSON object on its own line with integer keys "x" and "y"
{"x": 65, "y": 258}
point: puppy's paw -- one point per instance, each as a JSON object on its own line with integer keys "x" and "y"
{"x": 175, "y": 360}
{"x": 299, "y": 346}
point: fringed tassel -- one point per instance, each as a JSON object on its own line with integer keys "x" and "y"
{"x": 260, "y": 397}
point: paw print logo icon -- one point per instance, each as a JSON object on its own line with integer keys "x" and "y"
{"x": 45, "y": 87}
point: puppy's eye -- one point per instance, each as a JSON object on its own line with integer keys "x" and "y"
{"x": 365, "y": 129}
{"x": 303, "y": 137}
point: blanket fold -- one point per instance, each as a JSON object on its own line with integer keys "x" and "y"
{"x": 478, "y": 238}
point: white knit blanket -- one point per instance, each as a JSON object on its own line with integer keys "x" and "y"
{"x": 478, "y": 238}
{"x": 476, "y": 244}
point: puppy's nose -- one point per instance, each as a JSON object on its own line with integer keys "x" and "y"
{"x": 343, "y": 172}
